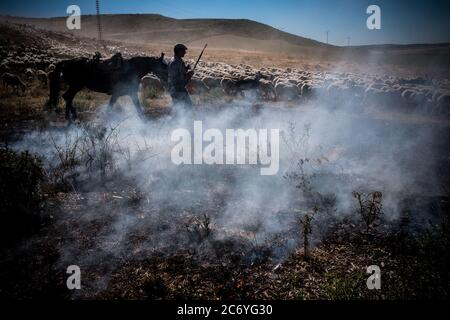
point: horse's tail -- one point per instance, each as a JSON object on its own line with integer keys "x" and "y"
{"x": 55, "y": 81}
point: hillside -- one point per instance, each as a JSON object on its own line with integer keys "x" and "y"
{"x": 238, "y": 40}
{"x": 156, "y": 29}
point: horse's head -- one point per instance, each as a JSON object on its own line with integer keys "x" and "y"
{"x": 155, "y": 65}
{"x": 161, "y": 70}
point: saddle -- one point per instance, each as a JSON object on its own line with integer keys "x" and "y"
{"x": 114, "y": 66}
{"x": 109, "y": 71}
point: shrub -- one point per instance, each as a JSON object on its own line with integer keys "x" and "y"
{"x": 21, "y": 174}
{"x": 98, "y": 148}
{"x": 200, "y": 228}
{"x": 307, "y": 230}
{"x": 344, "y": 287}
{"x": 370, "y": 207}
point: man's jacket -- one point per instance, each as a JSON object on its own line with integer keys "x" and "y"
{"x": 177, "y": 75}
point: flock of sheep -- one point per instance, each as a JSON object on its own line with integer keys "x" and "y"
{"x": 20, "y": 64}
{"x": 336, "y": 89}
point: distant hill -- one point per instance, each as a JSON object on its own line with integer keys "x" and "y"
{"x": 241, "y": 34}
{"x": 429, "y": 48}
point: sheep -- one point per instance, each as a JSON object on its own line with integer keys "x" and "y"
{"x": 29, "y": 74}
{"x": 392, "y": 98}
{"x": 212, "y": 82}
{"x": 4, "y": 67}
{"x": 417, "y": 80}
{"x": 407, "y": 94}
{"x": 334, "y": 90}
{"x": 436, "y": 94}
{"x": 247, "y": 84}
{"x": 419, "y": 100}
{"x": 413, "y": 98}
{"x": 229, "y": 86}
{"x": 339, "y": 94}
{"x": 358, "y": 90}
{"x": 286, "y": 91}
{"x": 267, "y": 90}
{"x": 371, "y": 95}
{"x": 14, "y": 81}
{"x": 197, "y": 86}
{"x": 443, "y": 104}
{"x": 306, "y": 90}
{"x": 151, "y": 86}
{"x": 42, "y": 76}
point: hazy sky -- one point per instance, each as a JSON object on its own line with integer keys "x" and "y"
{"x": 414, "y": 21}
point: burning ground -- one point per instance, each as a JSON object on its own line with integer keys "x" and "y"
{"x": 356, "y": 187}
{"x": 140, "y": 227}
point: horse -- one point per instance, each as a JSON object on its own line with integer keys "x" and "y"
{"x": 98, "y": 76}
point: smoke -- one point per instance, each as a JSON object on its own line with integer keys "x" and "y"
{"x": 129, "y": 200}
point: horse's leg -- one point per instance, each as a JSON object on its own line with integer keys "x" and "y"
{"x": 137, "y": 104}
{"x": 112, "y": 101}
{"x": 68, "y": 97}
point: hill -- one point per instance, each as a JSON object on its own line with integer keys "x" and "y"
{"x": 157, "y": 29}
{"x": 228, "y": 38}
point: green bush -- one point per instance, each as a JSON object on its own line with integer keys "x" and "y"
{"x": 344, "y": 287}
{"x": 21, "y": 174}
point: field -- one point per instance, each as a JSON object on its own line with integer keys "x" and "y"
{"x": 363, "y": 180}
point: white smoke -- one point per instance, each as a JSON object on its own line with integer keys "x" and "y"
{"x": 341, "y": 152}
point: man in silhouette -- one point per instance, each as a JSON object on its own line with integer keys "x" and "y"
{"x": 179, "y": 75}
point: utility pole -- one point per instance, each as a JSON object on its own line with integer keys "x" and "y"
{"x": 327, "y": 36}
{"x": 99, "y": 22}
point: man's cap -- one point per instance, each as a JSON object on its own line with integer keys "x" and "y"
{"x": 180, "y": 47}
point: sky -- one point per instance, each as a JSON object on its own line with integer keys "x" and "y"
{"x": 402, "y": 22}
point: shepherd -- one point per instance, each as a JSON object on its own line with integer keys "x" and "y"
{"x": 179, "y": 75}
